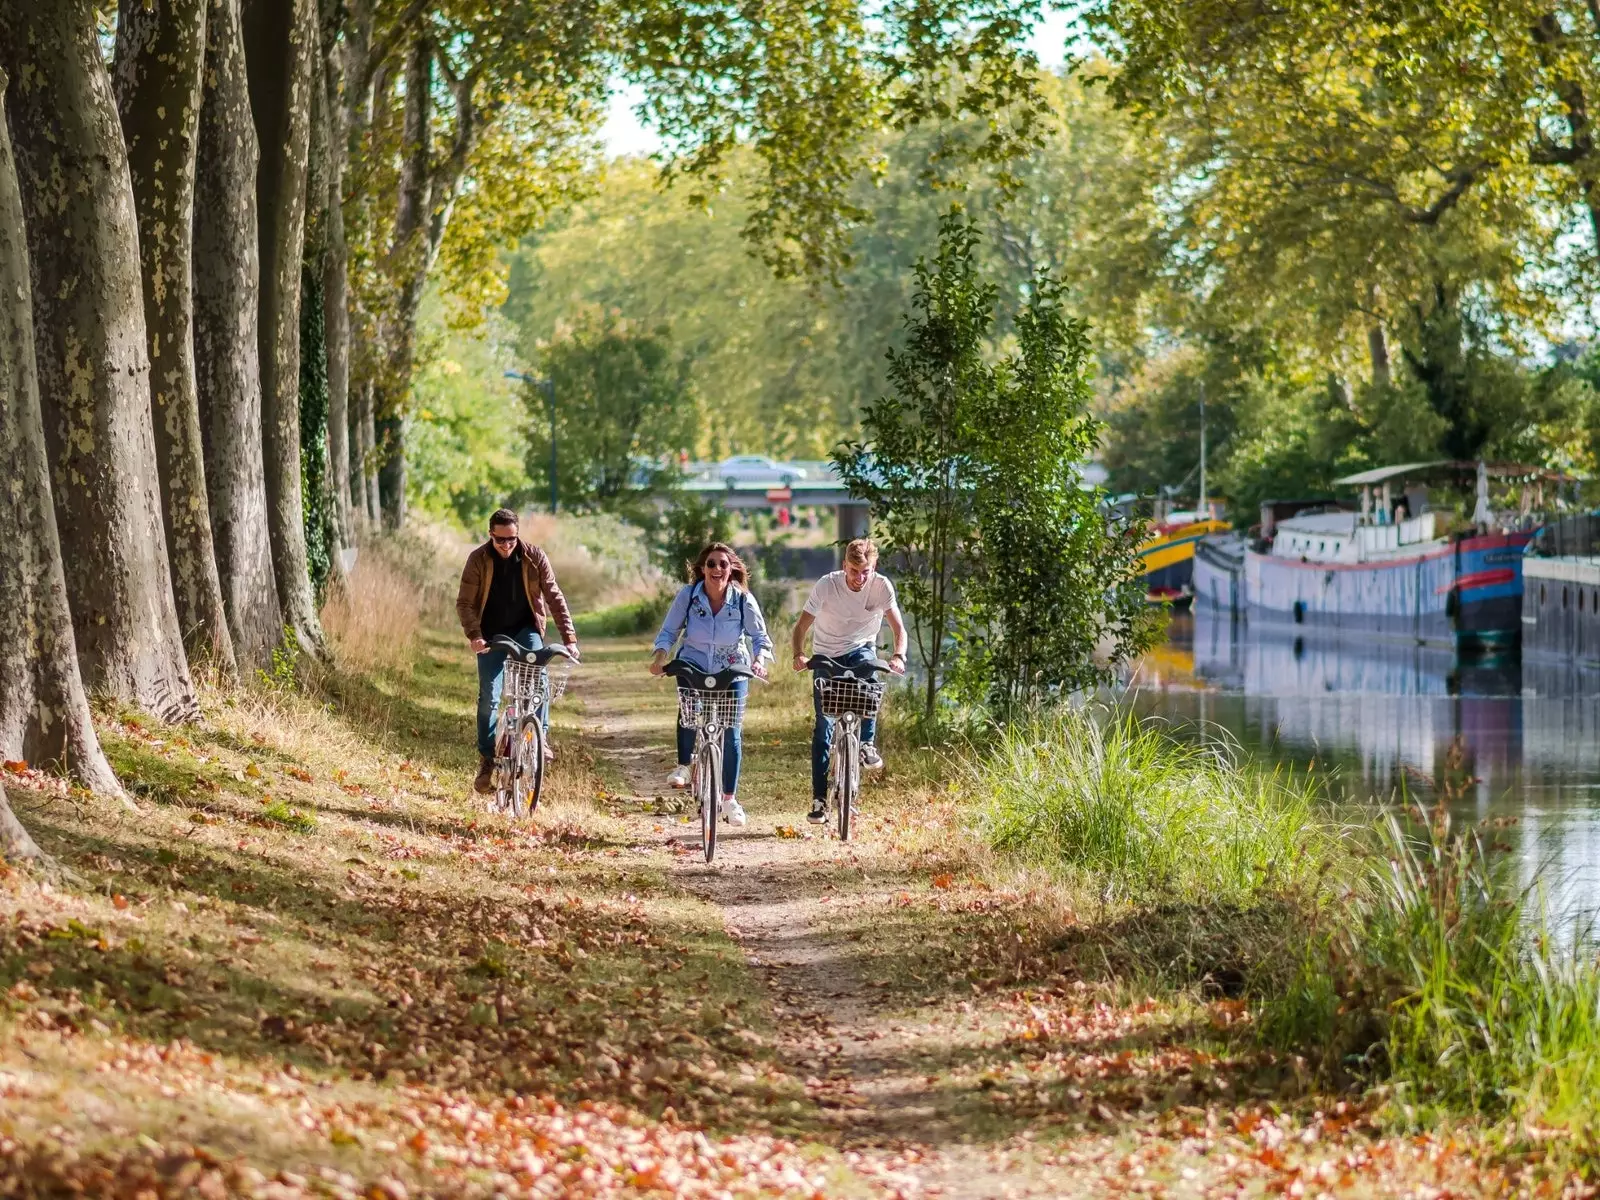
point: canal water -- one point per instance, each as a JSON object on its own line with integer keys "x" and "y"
{"x": 1380, "y": 717}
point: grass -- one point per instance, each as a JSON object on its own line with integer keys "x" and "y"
{"x": 628, "y": 619}
{"x": 1399, "y": 958}
{"x": 1121, "y": 807}
{"x": 311, "y": 951}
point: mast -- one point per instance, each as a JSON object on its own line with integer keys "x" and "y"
{"x": 1203, "y": 511}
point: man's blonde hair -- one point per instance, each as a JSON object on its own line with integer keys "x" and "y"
{"x": 863, "y": 551}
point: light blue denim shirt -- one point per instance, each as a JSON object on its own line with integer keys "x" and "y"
{"x": 712, "y": 641}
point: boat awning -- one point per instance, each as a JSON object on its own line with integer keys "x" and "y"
{"x": 1380, "y": 474}
{"x": 1495, "y": 470}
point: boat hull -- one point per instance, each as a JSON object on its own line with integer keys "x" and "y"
{"x": 1168, "y": 560}
{"x": 1466, "y": 593}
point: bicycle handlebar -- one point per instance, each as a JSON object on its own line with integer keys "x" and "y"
{"x": 689, "y": 675}
{"x": 540, "y": 657}
{"x": 832, "y": 668}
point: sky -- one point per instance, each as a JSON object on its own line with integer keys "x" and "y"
{"x": 624, "y": 134}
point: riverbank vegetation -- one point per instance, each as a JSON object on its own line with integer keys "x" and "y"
{"x": 1398, "y": 958}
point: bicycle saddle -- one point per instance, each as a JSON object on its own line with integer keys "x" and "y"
{"x": 540, "y": 657}
{"x": 832, "y": 668}
{"x": 691, "y": 676}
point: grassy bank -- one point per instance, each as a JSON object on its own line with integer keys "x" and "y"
{"x": 1399, "y": 959}
{"x": 310, "y": 963}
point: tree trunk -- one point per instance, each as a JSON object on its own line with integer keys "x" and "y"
{"x": 160, "y": 54}
{"x": 321, "y": 551}
{"x": 1378, "y": 351}
{"x": 391, "y": 433}
{"x": 226, "y": 283}
{"x": 90, "y": 342}
{"x": 15, "y": 844}
{"x": 44, "y": 715}
{"x": 367, "y": 428}
{"x": 280, "y": 45}
{"x": 336, "y": 276}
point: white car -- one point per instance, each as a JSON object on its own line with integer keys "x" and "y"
{"x": 754, "y": 469}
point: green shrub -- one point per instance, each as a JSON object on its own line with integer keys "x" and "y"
{"x": 625, "y": 620}
{"x": 1122, "y": 806}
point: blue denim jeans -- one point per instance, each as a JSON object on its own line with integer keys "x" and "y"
{"x": 732, "y": 746}
{"x": 491, "y": 674}
{"x": 822, "y": 730}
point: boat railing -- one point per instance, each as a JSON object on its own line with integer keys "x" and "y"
{"x": 1407, "y": 532}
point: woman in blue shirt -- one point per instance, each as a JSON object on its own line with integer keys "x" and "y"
{"x": 716, "y": 614}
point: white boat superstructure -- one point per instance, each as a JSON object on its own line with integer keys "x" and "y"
{"x": 1347, "y": 537}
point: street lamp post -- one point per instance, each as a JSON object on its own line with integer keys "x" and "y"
{"x": 549, "y": 386}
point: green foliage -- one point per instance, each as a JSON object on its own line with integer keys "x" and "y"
{"x": 1057, "y": 580}
{"x": 686, "y": 526}
{"x": 626, "y": 620}
{"x": 972, "y": 470}
{"x": 468, "y": 431}
{"x": 622, "y": 397}
{"x": 282, "y": 671}
{"x": 1130, "y": 812}
{"x": 316, "y": 492}
{"x": 914, "y": 464}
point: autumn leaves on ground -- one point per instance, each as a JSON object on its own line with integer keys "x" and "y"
{"x": 312, "y": 964}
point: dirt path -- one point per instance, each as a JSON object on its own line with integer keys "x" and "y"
{"x": 863, "y": 1063}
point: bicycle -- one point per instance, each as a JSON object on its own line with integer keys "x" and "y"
{"x": 849, "y": 695}
{"x": 707, "y": 704}
{"x": 519, "y": 745}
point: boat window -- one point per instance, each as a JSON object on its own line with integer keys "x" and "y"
{"x": 1580, "y": 599}
{"x": 1541, "y": 593}
{"x": 1322, "y": 547}
{"x": 1563, "y": 595}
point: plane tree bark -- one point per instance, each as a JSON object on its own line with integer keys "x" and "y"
{"x": 336, "y": 268}
{"x": 44, "y": 714}
{"x": 227, "y": 273}
{"x": 93, "y": 367}
{"x": 160, "y": 54}
{"x": 280, "y": 47}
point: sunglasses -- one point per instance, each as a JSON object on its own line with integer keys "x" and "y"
{"x": 717, "y": 564}
{"x": 503, "y": 541}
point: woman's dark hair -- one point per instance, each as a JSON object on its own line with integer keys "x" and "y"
{"x": 737, "y": 571}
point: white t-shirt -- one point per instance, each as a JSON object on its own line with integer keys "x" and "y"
{"x": 847, "y": 620}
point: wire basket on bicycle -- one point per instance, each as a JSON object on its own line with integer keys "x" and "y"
{"x": 531, "y": 684}
{"x": 699, "y": 707}
{"x": 843, "y": 694}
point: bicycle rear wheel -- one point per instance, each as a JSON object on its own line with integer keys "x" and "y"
{"x": 847, "y": 767}
{"x": 528, "y": 771}
{"x": 708, "y": 779}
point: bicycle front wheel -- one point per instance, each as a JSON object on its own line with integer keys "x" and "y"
{"x": 528, "y": 771}
{"x": 847, "y": 772}
{"x": 708, "y": 777}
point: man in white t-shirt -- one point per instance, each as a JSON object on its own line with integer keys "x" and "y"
{"x": 844, "y": 614}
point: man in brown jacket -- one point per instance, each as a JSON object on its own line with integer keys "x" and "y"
{"x": 506, "y": 587}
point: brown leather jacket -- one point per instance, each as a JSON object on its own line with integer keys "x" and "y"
{"x": 538, "y": 579}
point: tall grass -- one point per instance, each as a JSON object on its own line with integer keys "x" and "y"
{"x": 373, "y": 616}
{"x": 1400, "y": 954}
{"x": 1122, "y": 806}
{"x": 599, "y": 559}
{"x": 1438, "y": 975}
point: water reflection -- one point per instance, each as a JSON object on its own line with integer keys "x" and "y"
{"x": 1380, "y": 715}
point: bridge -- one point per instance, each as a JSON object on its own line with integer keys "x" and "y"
{"x": 755, "y": 481}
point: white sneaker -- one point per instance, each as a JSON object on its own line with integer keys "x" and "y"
{"x": 679, "y": 778}
{"x": 732, "y": 812}
{"x": 871, "y": 760}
